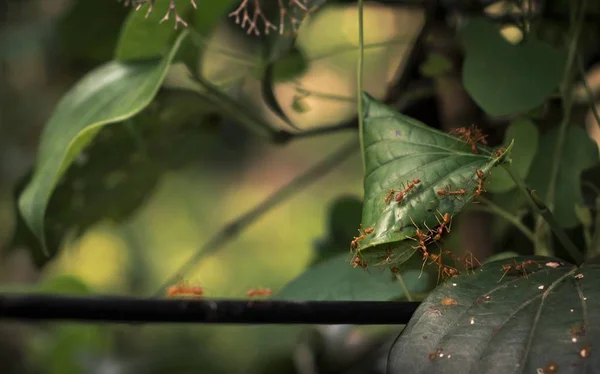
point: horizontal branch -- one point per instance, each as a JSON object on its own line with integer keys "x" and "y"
{"x": 119, "y": 309}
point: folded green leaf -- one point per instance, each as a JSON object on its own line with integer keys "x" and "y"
{"x": 399, "y": 150}
{"x": 111, "y": 93}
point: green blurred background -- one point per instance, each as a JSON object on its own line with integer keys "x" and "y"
{"x": 45, "y": 47}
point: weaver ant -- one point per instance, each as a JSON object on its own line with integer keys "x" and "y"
{"x": 499, "y": 152}
{"x": 258, "y": 292}
{"x": 479, "y": 189}
{"x": 389, "y": 196}
{"x": 363, "y": 234}
{"x": 469, "y": 262}
{"x": 182, "y": 289}
{"x": 445, "y": 223}
{"x": 471, "y": 135}
{"x": 517, "y": 267}
{"x": 400, "y": 195}
{"x": 447, "y": 192}
{"x": 356, "y": 261}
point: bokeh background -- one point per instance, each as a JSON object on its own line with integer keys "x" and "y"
{"x": 45, "y": 47}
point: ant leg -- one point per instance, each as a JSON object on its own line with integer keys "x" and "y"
{"x": 503, "y": 275}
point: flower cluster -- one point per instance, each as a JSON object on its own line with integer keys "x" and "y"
{"x": 248, "y": 13}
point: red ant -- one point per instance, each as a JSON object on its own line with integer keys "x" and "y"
{"x": 444, "y": 271}
{"x": 447, "y": 192}
{"x": 445, "y": 223}
{"x": 183, "y": 289}
{"x": 400, "y": 195}
{"x": 258, "y": 292}
{"x": 518, "y": 267}
{"x": 363, "y": 234}
{"x": 356, "y": 261}
{"x": 471, "y": 135}
{"x": 499, "y": 152}
{"x": 469, "y": 262}
{"x": 479, "y": 189}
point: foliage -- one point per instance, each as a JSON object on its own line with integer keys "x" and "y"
{"x": 162, "y": 99}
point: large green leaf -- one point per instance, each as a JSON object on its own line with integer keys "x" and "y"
{"x": 526, "y": 136}
{"x": 579, "y": 153}
{"x": 144, "y": 38}
{"x": 111, "y": 93}
{"x": 503, "y": 78}
{"x": 399, "y": 149}
{"x": 336, "y": 279}
{"x": 523, "y": 324}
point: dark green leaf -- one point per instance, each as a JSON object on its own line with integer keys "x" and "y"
{"x": 525, "y": 135}
{"x": 111, "y": 93}
{"x": 579, "y": 153}
{"x": 146, "y": 38}
{"x": 506, "y": 79}
{"x": 399, "y": 149}
{"x": 523, "y": 324}
{"x": 336, "y": 279}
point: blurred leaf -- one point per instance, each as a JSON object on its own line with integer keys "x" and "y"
{"x": 146, "y": 38}
{"x": 522, "y": 325}
{"x": 579, "y": 153}
{"x": 111, "y": 93}
{"x": 526, "y": 136}
{"x": 64, "y": 284}
{"x": 507, "y": 79}
{"x": 336, "y": 279}
{"x": 399, "y": 149}
{"x": 119, "y": 170}
{"x": 87, "y": 21}
{"x": 67, "y": 348}
{"x": 436, "y": 64}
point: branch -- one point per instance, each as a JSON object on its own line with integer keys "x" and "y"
{"x": 119, "y": 309}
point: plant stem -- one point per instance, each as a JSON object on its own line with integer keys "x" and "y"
{"x": 540, "y": 207}
{"x": 234, "y": 228}
{"x": 567, "y": 103}
{"x": 404, "y": 288}
{"x": 359, "y": 88}
{"x": 491, "y": 207}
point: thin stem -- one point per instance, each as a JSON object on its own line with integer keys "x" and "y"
{"x": 567, "y": 104}
{"x": 119, "y": 309}
{"x": 491, "y": 207}
{"x": 540, "y": 207}
{"x": 237, "y": 226}
{"x": 306, "y": 92}
{"x": 590, "y": 93}
{"x": 404, "y": 288}
{"x": 359, "y": 83}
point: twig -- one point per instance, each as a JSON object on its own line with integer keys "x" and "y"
{"x": 118, "y": 309}
{"x": 233, "y": 229}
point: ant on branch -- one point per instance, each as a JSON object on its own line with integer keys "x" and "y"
{"x": 517, "y": 267}
{"x": 258, "y": 292}
{"x": 183, "y": 289}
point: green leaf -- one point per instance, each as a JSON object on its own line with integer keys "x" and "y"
{"x": 579, "y": 153}
{"x": 111, "y": 93}
{"x": 523, "y": 324}
{"x": 336, "y": 279}
{"x": 211, "y": 13}
{"x": 65, "y": 284}
{"x": 435, "y": 65}
{"x": 506, "y": 79}
{"x": 399, "y": 149}
{"x": 146, "y": 38}
{"x": 526, "y": 136}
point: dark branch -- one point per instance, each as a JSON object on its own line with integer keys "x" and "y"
{"x": 117, "y": 309}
